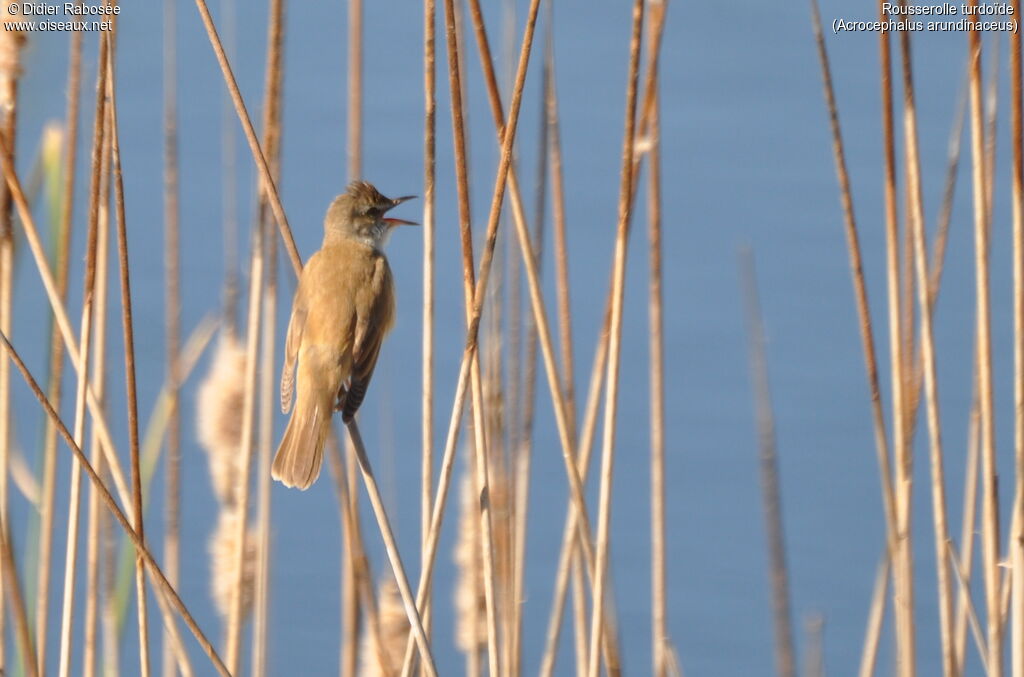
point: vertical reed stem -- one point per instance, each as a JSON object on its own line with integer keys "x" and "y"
{"x": 917, "y": 228}
{"x": 429, "y": 170}
{"x": 615, "y": 346}
{"x": 232, "y": 650}
{"x": 1017, "y": 539}
{"x": 98, "y": 375}
{"x": 659, "y": 631}
{"x": 84, "y": 342}
{"x": 56, "y": 364}
{"x": 108, "y": 499}
{"x": 172, "y": 314}
{"x": 272, "y": 143}
{"x": 129, "y": 367}
{"x": 990, "y": 506}
{"x": 785, "y": 655}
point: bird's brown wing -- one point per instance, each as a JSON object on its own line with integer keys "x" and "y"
{"x": 371, "y": 328}
{"x": 296, "y": 325}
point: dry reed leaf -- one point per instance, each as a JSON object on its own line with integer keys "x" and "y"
{"x": 219, "y": 416}
{"x": 223, "y": 547}
{"x": 386, "y": 660}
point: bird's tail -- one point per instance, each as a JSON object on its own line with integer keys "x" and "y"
{"x": 298, "y": 459}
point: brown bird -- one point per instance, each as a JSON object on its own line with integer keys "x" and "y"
{"x": 344, "y": 306}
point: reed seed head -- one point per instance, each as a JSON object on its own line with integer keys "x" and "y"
{"x": 219, "y": 416}
{"x": 385, "y": 659}
{"x": 223, "y": 548}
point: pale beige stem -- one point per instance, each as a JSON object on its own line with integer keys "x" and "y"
{"x": 84, "y": 341}
{"x": 990, "y": 496}
{"x": 601, "y": 555}
{"x": 98, "y": 376}
{"x": 869, "y": 653}
{"x": 232, "y": 652}
{"x": 172, "y": 318}
{"x": 115, "y": 510}
{"x": 1017, "y": 537}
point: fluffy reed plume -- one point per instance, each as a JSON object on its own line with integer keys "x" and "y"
{"x": 223, "y": 547}
{"x": 219, "y": 416}
{"x": 470, "y": 601}
{"x": 385, "y": 659}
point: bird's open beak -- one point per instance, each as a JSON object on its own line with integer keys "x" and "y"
{"x": 399, "y": 222}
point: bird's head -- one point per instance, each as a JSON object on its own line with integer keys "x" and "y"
{"x": 359, "y": 213}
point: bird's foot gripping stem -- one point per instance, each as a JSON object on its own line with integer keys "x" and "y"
{"x": 342, "y": 396}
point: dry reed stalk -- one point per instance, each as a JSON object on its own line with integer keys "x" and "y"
{"x": 990, "y": 507}
{"x": 10, "y": 68}
{"x": 895, "y": 533}
{"x": 84, "y": 341}
{"x": 485, "y": 267}
{"x": 657, "y": 27}
{"x": 990, "y": 109}
{"x": 268, "y": 187}
{"x": 615, "y": 348}
{"x": 98, "y": 375}
{"x": 466, "y": 237}
{"x": 967, "y": 527}
{"x": 173, "y": 637}
{"x": 15, "y": 600}
{"x": 60, "y": 313}
{"x": 266, "y": 418}
{"x": 521, "y": 422}
{"x": 938, "y": 480}
{"x": 965, "y": 591}
{"x": 785, "y": 655}
{"x": 56, "y": 363}
{"x": 229, "y": 184}
{"x": 876, "y": 614}
{"x": 355, "y": 89}
{"x": 586, "y": 445}
{"x": 353, "y": 531}
{"x": 129, "y": 363}
{"x": 470, "y": 603}
{"x": 391, "y": 547}
{"x": 349, "y": 658}
{"x": 351, "y": 612}
{"x": 440, "y": 498}
{"x": 561, "y": 246}
{"x": 429, "y": 172}
{"x": 659, "y": 630}
{"x": 566, "y": 435}
{"x": 1017, "y": 538}
{"x": 897, "y": 521}
{"x": 237, "y": 609}
{"x": 274, "y": 82}
{"x": 118, "y": 514}
{"x": 172, "y": 314}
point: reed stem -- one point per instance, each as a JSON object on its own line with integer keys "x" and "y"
{"x": 615, "y": 347}
{"x": 129, "y": 367}
{"x": 785, "y": 654}
{"x": 1017, "y": 538}
{"x": 990, "y": 494}
{"x": 172, "y": 316}
{"x": 115, "y": 510}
